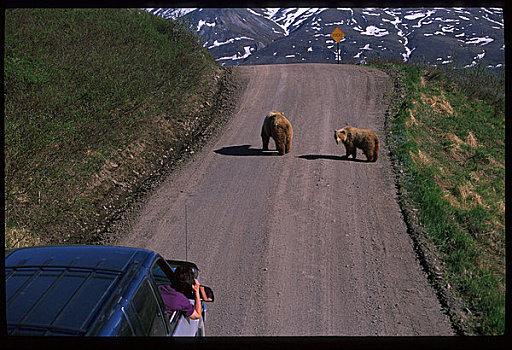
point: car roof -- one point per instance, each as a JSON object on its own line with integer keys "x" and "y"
{"x": 62, "y": 290}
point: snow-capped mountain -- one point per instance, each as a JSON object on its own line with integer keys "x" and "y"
{"x": 236, "y": 36}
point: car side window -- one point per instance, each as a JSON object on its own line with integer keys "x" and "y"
{"x": 149, "y": 314}
{"x": 160, "y": 272}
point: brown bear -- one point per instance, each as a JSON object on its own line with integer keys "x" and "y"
{"x": 280, "y": 129}
{"x": 364, "y": 139}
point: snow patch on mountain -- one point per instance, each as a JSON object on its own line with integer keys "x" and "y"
{"x": 374, "y": 31}
{"x": 229, "y": 41}
{"x": 238, "y": 56}
{"x": 203, "y": 23}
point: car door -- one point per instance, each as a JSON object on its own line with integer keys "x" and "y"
{"x": 148, "y": 309}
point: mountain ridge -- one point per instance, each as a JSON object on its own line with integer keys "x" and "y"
{"x": 437, "y": 36}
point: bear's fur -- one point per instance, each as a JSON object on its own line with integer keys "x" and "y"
{"x": 364, "y": 139}
{"x": 280, "y": 129}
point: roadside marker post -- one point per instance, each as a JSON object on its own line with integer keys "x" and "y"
{"x": 337, "y": 35}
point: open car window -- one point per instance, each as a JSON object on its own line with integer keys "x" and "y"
{"x": 175, "y": 263}
{"x": 161, "y": 273}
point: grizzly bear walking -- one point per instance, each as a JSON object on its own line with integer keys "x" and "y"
{"x": 364, "y": 139}
{"x": 280, "y": 129}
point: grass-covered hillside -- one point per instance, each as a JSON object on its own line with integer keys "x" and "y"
{"x": 448, "y": 144}
{"x": 96, "y": 100}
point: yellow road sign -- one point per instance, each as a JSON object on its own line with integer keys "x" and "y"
{"x": 337, "y": 34}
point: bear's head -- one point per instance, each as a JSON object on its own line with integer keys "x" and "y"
{"x": 341, "y": 135}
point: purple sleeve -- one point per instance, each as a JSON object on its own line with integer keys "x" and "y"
{"x": 186, "y": 306}
{"x": 175, "y": 301}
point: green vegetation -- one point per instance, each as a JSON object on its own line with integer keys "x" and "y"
{"x": 93, "y": 98}
{"x": 449, "y": 138}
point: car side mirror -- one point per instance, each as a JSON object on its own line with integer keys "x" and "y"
{"x": 208, "y": 294}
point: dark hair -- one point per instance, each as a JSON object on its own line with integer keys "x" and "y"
{"x": 183, "y": 280}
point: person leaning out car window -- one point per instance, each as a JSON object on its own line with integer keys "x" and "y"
{"x": 184, "y": 287}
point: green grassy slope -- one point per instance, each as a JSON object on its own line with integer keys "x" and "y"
{"x": 448, "y": 141}
{"x": 93, "y": 99}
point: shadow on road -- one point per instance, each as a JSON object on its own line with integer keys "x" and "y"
{"x": 243, "y": 150}
{"x": 330, "y": 157}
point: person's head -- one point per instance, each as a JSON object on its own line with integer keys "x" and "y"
{"x": 183, "y": 280}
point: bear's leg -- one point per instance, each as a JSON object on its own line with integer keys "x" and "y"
{"x": 369, "y": 155}
{"x": 347, "y": 151}
{"x": 371, "y": 152}
{"x": 281, "y": 147}
{"x": 376, "y": 150}
{"x": 265, "y": 139}
{"x": 288, "y": 145}
{"x": 351, "y": 151}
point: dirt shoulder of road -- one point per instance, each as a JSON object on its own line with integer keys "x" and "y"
{"x": 216, "y": 110}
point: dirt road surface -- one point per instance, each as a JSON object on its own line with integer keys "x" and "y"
{"x": 306, "y": 244}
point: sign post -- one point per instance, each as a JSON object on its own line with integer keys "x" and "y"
{"x": 337, "y": 35}
{"x": 338, "y": 51}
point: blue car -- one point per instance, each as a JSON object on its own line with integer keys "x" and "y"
{"x": 92, "y": 291}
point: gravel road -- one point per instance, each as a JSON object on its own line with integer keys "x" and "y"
{"x": 306, "y": 244}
